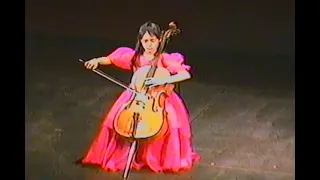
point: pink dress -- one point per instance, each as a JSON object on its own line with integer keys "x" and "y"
{"x": 172, "y": 152}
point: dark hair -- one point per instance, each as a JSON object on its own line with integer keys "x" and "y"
{"x": 154, "y": 30}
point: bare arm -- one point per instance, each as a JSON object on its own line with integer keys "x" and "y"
{"x": 103, "y": 60}
{"x": 180, "y": 76}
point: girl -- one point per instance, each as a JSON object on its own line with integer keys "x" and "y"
{"x": 174, "y": 151}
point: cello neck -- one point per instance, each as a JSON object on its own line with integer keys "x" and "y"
{"x": 165, "y": 37}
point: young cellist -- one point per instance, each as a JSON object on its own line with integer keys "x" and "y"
{"x": 172, "y": 152}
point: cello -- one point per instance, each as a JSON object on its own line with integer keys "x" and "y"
{"x": 145, "y": 119}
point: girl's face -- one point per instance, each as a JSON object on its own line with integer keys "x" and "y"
{"x": 150, "y": 43}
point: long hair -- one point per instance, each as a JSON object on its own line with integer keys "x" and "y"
{"x": 154, "y": 30}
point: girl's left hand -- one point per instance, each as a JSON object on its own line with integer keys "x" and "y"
{"x": 151, "y": 82}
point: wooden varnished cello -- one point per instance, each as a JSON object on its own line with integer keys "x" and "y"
{"x": 144, "y": 119}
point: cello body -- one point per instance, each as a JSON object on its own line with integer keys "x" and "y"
{"x": 144, "y": 119}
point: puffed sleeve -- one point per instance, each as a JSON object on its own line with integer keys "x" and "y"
{"x": 175, "y": 62}
{"x": 121, "y": 57}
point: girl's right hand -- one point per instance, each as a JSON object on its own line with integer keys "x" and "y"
{"x": 92, "y": 64}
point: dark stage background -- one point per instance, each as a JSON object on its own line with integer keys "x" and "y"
{"x": 248, "y": 42}
{"x": 247, "y": 133}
